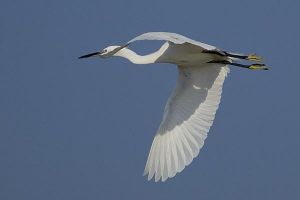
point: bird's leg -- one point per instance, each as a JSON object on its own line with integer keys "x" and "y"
{"x": 250, "y": 57}
{"x": 256, "y": 66}
{"x": 215, "y": 51}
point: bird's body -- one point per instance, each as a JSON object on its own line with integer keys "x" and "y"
{"x": 179, "y": 54}
{"x": 191, "y": 109}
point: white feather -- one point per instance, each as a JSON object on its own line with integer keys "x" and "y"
{"x": 189, "y": 114}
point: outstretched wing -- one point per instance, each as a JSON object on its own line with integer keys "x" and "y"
{"x": 171, "y": 37}
{"x": 187, "y": 118}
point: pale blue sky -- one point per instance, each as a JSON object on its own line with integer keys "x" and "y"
{"x": 81, "y": 129}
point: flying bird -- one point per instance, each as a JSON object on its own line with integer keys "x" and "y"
{"x": 191, "y": 108}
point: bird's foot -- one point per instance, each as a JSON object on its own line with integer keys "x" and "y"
{"x": 258, "y": 66}
{"x": 254, "y": 57}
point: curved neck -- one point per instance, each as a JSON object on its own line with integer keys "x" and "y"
{"x": 138, "y": 59}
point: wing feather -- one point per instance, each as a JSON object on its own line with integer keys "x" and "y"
{"x": 171, "y": 37}
{"x": 174, "y": 158}
{"x": 187, "y": 118}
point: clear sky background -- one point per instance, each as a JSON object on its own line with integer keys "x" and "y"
{"x": 81, "y": 129}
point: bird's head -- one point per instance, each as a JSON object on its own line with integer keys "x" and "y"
{"x": 105, "y": 53}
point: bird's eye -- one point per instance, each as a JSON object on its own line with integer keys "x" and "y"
{"x": 103, "y": 51}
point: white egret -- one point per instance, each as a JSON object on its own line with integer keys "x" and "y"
{"x": 191, "y": 109}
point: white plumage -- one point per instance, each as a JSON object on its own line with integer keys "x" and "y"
{"x": 191, "y": 109}
{"x": 188, "y": 116}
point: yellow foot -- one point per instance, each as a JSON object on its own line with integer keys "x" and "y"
{"x": 254, "y": 57}
{"x": 258, "y": 67}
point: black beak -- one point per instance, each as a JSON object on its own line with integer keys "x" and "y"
{"x": 90, "y": 55}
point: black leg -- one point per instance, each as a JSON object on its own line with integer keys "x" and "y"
{"x": 256, "y": 66}
{"x": 251, "y": 57}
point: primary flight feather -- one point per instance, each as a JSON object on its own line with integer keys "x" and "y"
{"x": 191, "y": 108}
